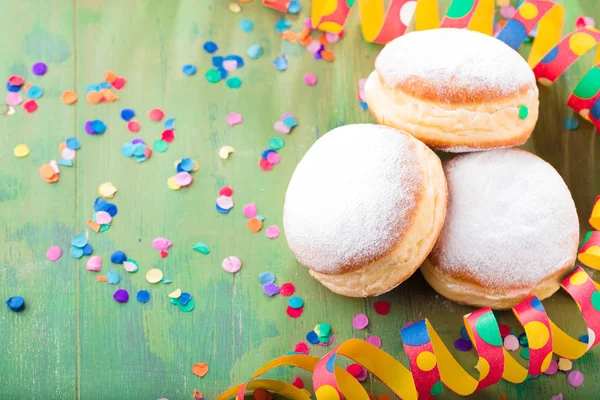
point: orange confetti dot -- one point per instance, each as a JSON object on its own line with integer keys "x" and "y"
{"x": 255, "y": 225}
{"x": 109, "y": 76}
{"x": 68, "y": 97}
{"x": 198, "y": 395}
{"x": 93, "y": 225}
{"x": 327, "y": 55}
{"x": 101, "y": 279}
{"x": 93, "y": 97}
{"x": 323, "y": 39}
{"x": 46, "y": 171}
{"x": 306, "y": 41}
{"x": 289, "y": 36}
{"x": 303, "y": 34}
{"x": 27, "y": 86}
{"x": 200, "y": 369}
{"x": 61, "y": 146}
{"x": 108, "y": 95}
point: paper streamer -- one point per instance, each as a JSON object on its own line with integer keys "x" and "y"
{"x": 595, "y": 217}
{"x": 589, "y": 253}
{"x": 550, "y": 56}
{"x": 432, "y": 366}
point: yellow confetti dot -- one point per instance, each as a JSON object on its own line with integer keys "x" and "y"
{"x": 426, "y": 361}
{"x": 565, "y": 364}
{"x": 21, "y": 150}
{"x": 483, "y": 367}
{"x": 176, "y": 294}
{"x": 172, "y": 185}
{"x": 537, "y": 334}
{"x": 225, "y": 151}
{"x": 154, "y": 275}
{"x": 235, "y": 8}
{"x": 107, "y": 190}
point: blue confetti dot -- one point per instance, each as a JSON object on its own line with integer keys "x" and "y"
{"x": 111, "y": 209}
{"x": 87, "y": 249}
{"x": 118, "y": 257}
{"x": 184, "y": 298}
{"x": 246, "y": 25}
{"x": 330, "y": 366}
{"x": 11, "y": 88}
{"x": 595, "y": 110}
{"x": 217, "y": 61}
{"x": 98, "y": 126}
{"x": 294, "y": 7}
{"x": 76, "y": 252}
{"x": 99, "y": 204}
{"x": 584, "y": 338}
{"x": 16, "y": 303}
{"x": 187, "y": 164}
{"x": 290, "y": 121}
{"x": 513, "y": 34}
{"x": 312, "y": 337}
{"x": 92, "y": 88}
{"x": 235, "y": 57}
{"x": 464, "y": 334}
{"x": 571, "y": 123}
{"x": 221, "y": 210}
{"x": 127, "y": 150}
{"x": 210, "y": 47}
{"x": 295, "y": 302}
{"x": 143, "y": 296}
{"x": 65, "y": 163}
{"x": 113, "y": 278}
{"x": 73, "y": 143}
{"x": 223, "y": 73}
{"x": 255, "y": 51}
{"x": 260, "y": 217}
{"x": 79, "y": 241}
{"x": 282, "y": 25}
{"x": 537, "y": 304}
{"x": 166, "y": 281}
{"x": 35, "y": 92}
{"x": 139, "y": 149}
{"x": 415, "y": 334}
{"x": 105, "y": 85}
{"x": 265, "y": 153}
{"x": 127, "y": 114}
{"x": 551, "y": 56}
{"x": 169, "y": 123}
{"x": 266, "y": 277}
{"x": 280, "y": 63}
{"x": 189, "y": 69}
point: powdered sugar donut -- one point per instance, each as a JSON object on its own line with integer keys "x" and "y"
{"x": 364, "y": 208}
{"x": 511, "y": 230}
{"x": 454, "y": 89}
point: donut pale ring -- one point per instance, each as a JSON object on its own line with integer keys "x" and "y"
{"x": 454, "y": 89}
{"x": 511, "y": 230}
{"x": 364, "y": 207}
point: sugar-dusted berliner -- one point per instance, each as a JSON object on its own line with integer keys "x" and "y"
{"x": 511, "y": 230}
{"x": 364, "y": 207}
{"x": 454, "y": 89}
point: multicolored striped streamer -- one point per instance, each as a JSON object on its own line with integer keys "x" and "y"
{"x": 550, "y": 56}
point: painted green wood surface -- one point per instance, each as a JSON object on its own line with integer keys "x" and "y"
{"x": 74, "y": 340}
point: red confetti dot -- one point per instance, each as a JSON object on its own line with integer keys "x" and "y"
{"x": 168, "y": 135}
{"x": 382, "y": 307}
{"x": 163, "y": 254}
{"x": 298, "y": 382}
{"x": 119, "y": 83}
{"x": 156, "y": 114}
{"x": 294, "y": 312}
{"x": 287, "y": 289}
{"x": 133, "y": 126}
{"x": 16, "y": 80}
{"x": 504, "y": 330}
{"x": 148, "y": 152}
{"x": 354, "y": 369}
{"x": 265, "y": 165}
{"x": 301, "y": 347}
{"x": 226, "y": 191}
{"x": 30, "y": 106}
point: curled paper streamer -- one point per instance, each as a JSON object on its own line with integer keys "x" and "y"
{"x": 550, "y": 56}
{"x": 589, "y": 253}
{"x": 595, "y": 217}
{"x": 279, "y": 5}
{"x": 431, "y": 364}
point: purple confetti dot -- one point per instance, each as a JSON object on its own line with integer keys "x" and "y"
{"x": 463, "y": 345}
{"x": 552, "y": 369}
{"x": 137, "y": 140}
{"x": 328, "y": 343}
{"x": 374, "y": 340}
{"x": 363, "y": 374}
{"x": 88, "y": 128}
{"x": 121, "y": 296}
{"x": 575, "y": 378}
{"x": 39, "y": 69}
{"x": 270, "y": 289}
{"x": 360, "y": 321}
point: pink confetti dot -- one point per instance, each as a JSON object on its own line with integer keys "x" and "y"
{"x": 584, "y": 21}
{"x": 511, "y": 343}
{"x": 575, "y": 378}
{"x": 54, "y": 253}
{"x": 374, "y": 340}
{"x": 280, "y": 127}
{"x": 156, "y": 114}
{"x": 272, "y": 232}
{"x": 552, "y": 368}
{"x": 331, "y": 339}
{"x": 250, "y": 210}
{"x": 310, "y": 79}
{"x": 102, "y": 217}
{"x": 230, "y": 65}
{"x": 161, "y": 244}
{"x": 183, "y": 179}
{"x": 234, "y": 119}
{"x": 133, "y": 126}
{"x": 273, "y": 158}
{"x": 14, "y": 99}
{"x": 332, "y": 37}
{"x": 94, "y": 263}
{"x": 360, "y": 321}
{"x": 225, "y": 202}
{"x": 231, "y": 264}
{"x": 362, "y": 376}
{"x": 314, "y": 46}
{"x": 507, "y": 12}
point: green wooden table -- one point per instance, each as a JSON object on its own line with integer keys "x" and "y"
{"x": 73, "y": 340}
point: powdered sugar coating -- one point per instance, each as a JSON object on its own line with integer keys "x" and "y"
{"x": 510, "y": 223}
{"x": 454, "y": 57}
{"x": 352, "y": 197}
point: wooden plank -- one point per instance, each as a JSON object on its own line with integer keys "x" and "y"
{"x": 74, "y": 338}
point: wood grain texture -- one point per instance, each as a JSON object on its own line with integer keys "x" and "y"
{"x": 74, "y": 340}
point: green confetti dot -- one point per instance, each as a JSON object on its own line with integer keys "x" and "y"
{"x": 104, "y": 228}
{"x": 201, "y": 247}
{"x": 596, "y": 300}
{"x": 213, "y": 75}
{"x": 487, "y": 328}
{"x": 188, "y": 307}
{"x": 175, "y": 301}
{"x": 523, "y": 111}
{"x": 437, "y": 388}
{"x": 525, "y": 353}
{"x": 160, "y": 145}
{"x": 234, "y": 82}
{"x": 276, "y": 143}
